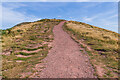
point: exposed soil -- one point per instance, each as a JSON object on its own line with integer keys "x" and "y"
{"x": 65, "y": 60}
{"x": 32, "y": 46}
{"x": 22, "y": 56}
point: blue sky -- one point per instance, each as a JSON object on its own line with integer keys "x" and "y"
{"x": 101, "y": 14}
{"x": 59, "y": 0}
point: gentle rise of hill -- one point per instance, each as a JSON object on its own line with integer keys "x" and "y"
{"x": 26, "y": 44}
{"x": 101, "y": 45}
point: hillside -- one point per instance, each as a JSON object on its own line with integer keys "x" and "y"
{"x": 24, "y": 45}
{"x": 101, "y": 46}
{"x": 27, "y": 44}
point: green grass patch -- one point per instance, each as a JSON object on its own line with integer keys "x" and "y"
{"x": 21, "y": 58}
{"x": 26, "y": 54}
{"x": 28, "y": 49}
{"x": 89, "y": 53}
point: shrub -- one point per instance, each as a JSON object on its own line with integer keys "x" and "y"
{"x": 19, "y": 30}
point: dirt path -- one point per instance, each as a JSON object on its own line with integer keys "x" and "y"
{"x": 65, "y": 59}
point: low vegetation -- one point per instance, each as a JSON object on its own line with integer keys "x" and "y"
{"x": 24, "y": 46}
{"x": 100, "y": 44}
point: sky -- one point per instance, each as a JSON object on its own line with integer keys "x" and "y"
{"x": 100, "y": 14}
{"x": 59, "y": 0}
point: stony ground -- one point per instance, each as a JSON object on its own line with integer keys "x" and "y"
{"x": 65, "y": 60}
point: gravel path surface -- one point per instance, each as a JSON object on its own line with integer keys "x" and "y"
{"x": 65, "y": 59}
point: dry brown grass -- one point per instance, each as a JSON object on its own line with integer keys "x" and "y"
{"x": 103, "y": 44}
{"x": 19, "y": 38}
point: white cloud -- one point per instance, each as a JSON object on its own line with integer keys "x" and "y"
{"x": 93, "y": 5}
{"x": 89, "y": 19}
{"x": 101, "y": 15}
{"x": 113, "y": 16}
{"x": 108, "y": 20}
{"x": 70, "y": 17}
{"x": 109, "y": 24}
{"x": 60, "y": 0}
{"x": 11, "y": 17}
{"x": 14, "y": 5}
{"x": 105, "y": 23}
{"x": 59, "y": 16}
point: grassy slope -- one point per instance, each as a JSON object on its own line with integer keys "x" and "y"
{"x": 19, "y": 38}
{"x": 100, "y": 44}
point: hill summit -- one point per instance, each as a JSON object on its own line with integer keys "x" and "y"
{"x": 25, "y": 45}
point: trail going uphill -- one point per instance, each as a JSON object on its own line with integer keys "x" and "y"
{"x": 65, "y": 59}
